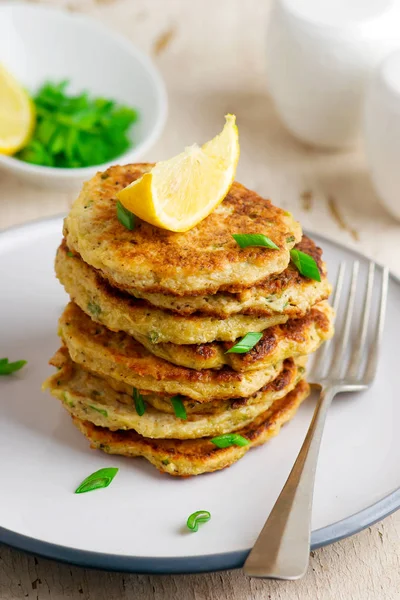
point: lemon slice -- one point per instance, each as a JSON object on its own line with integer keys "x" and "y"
{"x": 179, "y": 193}
{"x": 17, "y": 114}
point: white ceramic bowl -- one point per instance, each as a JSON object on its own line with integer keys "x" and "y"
{"x": 39, "y": 43}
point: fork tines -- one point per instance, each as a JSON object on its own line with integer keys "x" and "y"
{"x": 351, "y": 357}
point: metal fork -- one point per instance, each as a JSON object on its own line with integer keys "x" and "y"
{"x": 283, "y": 547}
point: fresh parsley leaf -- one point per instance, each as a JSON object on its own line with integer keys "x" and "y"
{"x": 77, "y": 131}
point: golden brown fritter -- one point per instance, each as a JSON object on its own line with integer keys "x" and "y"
{"x": 200, "y": 261}
{"x": 90, "y": 398}
{"x": 285, "y": 376}
{"x": 121, "y": 357}
{"x": 121, "y": 312}
{"x": 286, "y": 293}
{"x": 150, "y": 326}
{"x": 294, "y": 338}
{"x": 194, "y": 457}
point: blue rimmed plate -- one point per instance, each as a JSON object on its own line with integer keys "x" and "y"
{"x": 137, "y": 524}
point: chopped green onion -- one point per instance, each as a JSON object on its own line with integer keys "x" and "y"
{"x": 229, "y": 439}
{"x": 305, "y": 264}
{"x": 245, "y": 344}
{"x": 7, "y": 368}
{"x": 99, "y": 410}
{"x": 254, "y": 239}
{"x": 125, "y": 217}
{"x": 139, "y": 402}
{"x": 70, "y": 254}
{"x": 98, "y": 479}
{"x": 179, "y": 408}
{"x": 290, "y": 239}
{"x": 200, "y": 516}
{"x": 165, "y": 461}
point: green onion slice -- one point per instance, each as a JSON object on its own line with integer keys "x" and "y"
{"x": 200, "y": 516}
{"x": 305, "y": 264}
{"x": 246, "y": 343}
{"x": 99, "y": 410}
{"x": 125, "y": 217}
{"x": 98, "y": 479}
{"x": 229, "y": 439}
{"x": 139, "y": 402}
{"x": 254, "y": 239}
{"x": 7, "y": 368}
{"x": 179, "y": 408}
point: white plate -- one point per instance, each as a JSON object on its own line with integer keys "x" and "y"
{"x": 138, "y": 523}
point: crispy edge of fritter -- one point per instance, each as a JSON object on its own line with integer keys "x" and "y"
{"x": 194, "y": 457}
{"x": 162, "y": 401}
{"x": 293, "y": 338}
{"x": 88, "y": 397}
{"x": 119, "y": 356}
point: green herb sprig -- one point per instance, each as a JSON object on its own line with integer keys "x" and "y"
{"x": 229, "y": 439}
{"x": 305, "y": 264}
{"x": 99, "y": 410}
{"x": 200, "y": 516}
{"x": 76, "y": 131}
{"x": 7, "y": 368}
{"x": 98, "y": 479}
{"x": 245, "y": 344}
{"x": 139, "y": 402}
{"x": 254, "y": 239}
{"x": 125, "y": 217}
{"x": 179, "y": 408}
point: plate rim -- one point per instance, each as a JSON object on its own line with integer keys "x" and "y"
{"x": 206, "y": 562}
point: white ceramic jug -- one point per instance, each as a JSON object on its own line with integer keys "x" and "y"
{"x": 320, "y": 54}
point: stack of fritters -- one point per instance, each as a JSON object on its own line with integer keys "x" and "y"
{"x": 153, "y": 314}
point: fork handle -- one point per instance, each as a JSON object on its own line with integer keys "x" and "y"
{"x": 282, "y": 550}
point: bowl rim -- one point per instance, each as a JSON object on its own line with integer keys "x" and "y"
{"x": 146, "y": 62}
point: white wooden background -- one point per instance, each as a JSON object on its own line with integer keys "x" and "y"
{"x": 211, "y": 54}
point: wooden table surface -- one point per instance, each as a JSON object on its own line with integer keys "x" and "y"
{"x": 211, "y": 54}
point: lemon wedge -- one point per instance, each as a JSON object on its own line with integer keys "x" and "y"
{"x": 179, "y": 193}
{"x": 17, "y": 114}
